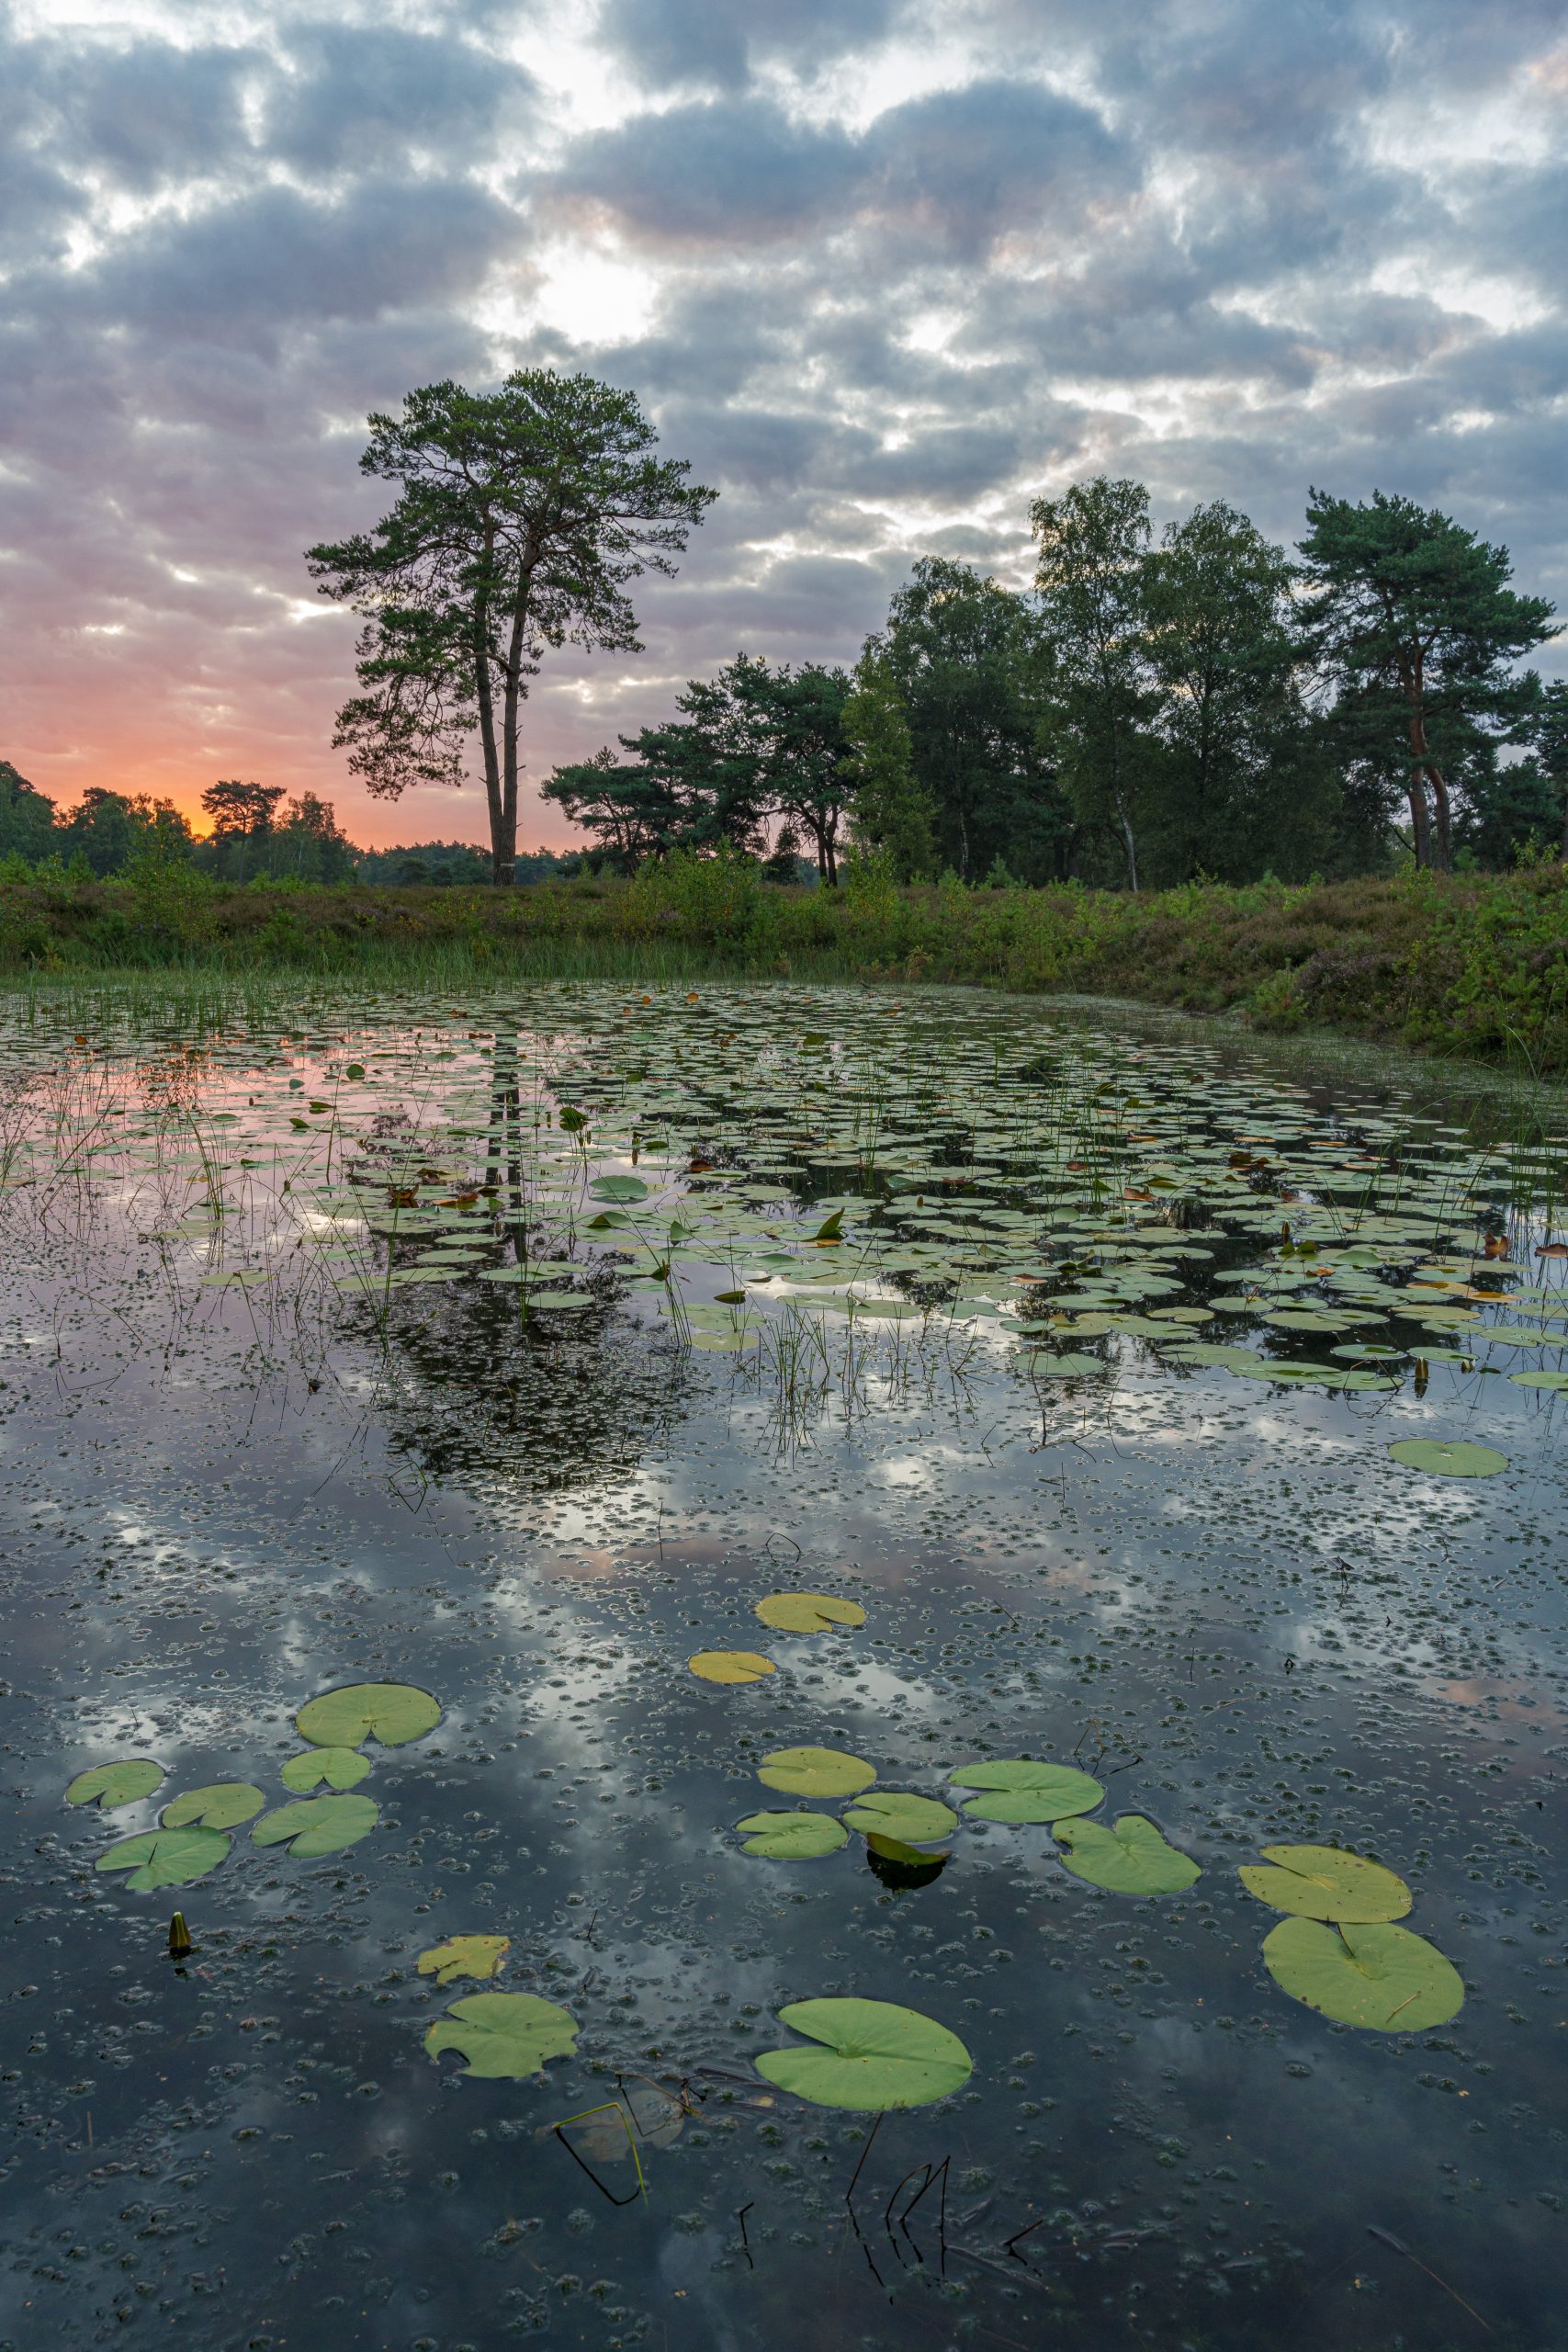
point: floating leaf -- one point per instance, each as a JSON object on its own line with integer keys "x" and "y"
{"x": 1553, "y": 1380}
{"x": 808, "y": 1613}
{"x": 123, "y": 1782}
{"x": 339, "y": 1768}
{"x": 505, "y": 2036}
{"x": 1449, "y": 1458}
{"x": 393, "y": 1713}
{"x": 815, "y": 1773}
{"x": 1364, "y": 1973}
{"x": 1018, "y": 1791}
{"x": 1128, "y": 1857}
{"x": 222, "y": 1804}
{"x": 1323, "y": 1882}
{"x": 877, "y": 2055}
{"x": 618, "y": 1188}
{"x": 319, "y": 1825}
{"x": 1046, "y": 1366}
{"x": 792, "y": 1836}
{"x": 898, "y": 1865}
{"x": 731, "y": 1666}
{"x": 166, "y": 1857}
{"x": 893, "y": 1814}
{"x": 464, "y": 1956}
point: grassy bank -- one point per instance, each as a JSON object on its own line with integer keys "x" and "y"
{"x": 1476, "y": 964}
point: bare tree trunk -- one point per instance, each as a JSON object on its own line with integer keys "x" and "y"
{"x": 1419, "y": 831}
{"x": 1445, "y": 857}
{"x": 1424, "y": 763}
{"x": 485, "y": 700}
{"x": 1128, "y": 844}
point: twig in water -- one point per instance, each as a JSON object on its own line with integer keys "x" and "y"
{"x": 1399, "y": 2247}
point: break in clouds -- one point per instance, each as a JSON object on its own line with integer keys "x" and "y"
{"x": 882, "y": 272}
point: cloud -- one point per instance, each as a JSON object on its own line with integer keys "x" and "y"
{"x": 719, "y": 42}
{"x": 889, "y": 271}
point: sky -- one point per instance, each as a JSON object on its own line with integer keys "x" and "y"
{"x": 882, "y": 272}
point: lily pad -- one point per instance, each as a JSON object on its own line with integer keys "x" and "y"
{"x": 1553, "y": 1380}
{"x": 338, "y": 1767}
{"x": 319, "y": 1825}
{"x": 890, "y": 1813}
{"x": 1048, "y": 1366}
{"x": 1323, "y": 1882}
{"x": 1364, "y": 1973}
{"x": 504, "y": 2036}
{"x": 1449, "y": 1458}
{"x": 808, "y": 1613}
{"x": 123, "y": 1782}
{"x": 731, "y": 1666}
{"x": 464, "y": 1956}
{"x": 875, "y": 2056}
{"x": 166, "y": 1857}
{"x": 792, "y": 1836}
{"x": 815, "y": 1773}
{"x": 898, "y": 1865}
{"x": 1127, "y": 1858}
{"x": 1018, "y": 1790}
{"x": 618, "y": 1188}
{"x": 392, "y": 1713}
{"x": 222, "y": 1804}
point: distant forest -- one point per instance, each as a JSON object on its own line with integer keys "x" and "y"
{"x": 258, "y": 835}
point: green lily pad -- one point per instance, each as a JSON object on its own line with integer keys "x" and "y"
{"x": 1553, "y": 1380}
{"x": 808, "y": 1613}
{"x": 1449, "y": 1458}
{"x": 731, "y": 1666}
{"x": 464, "y": 1956}
{"x": 890, "y": 1813}
{"x": 875, "y": 2056}
{"x": 1128, "y": 1857}
{"x": 1048, "y": 1366}
{"x": 222, "y": 1804}
{"x": 338, "y": 1767}
{"x": 319, "y": 1825}
{"x": 123, "y": 1782}
{"x": 393, "y": 1713}
{"x": 1323, "y": 1882}
{"x": 898, "y": 1865}
{"x": 1364, "y": 1973}
{"x": 166, "y": 1857}
{"x": 618, "y": 1188}
{"x": 1020, "y": 1791}
{"x": 504, "y": 2036}
{"x": 792, "y": 1836}
{"x": 815, "y": 1773}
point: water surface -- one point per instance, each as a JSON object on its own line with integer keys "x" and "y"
{"x": 1072, "y": 1349}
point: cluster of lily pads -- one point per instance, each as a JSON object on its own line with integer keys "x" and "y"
{"x": 193, "y": 1836}
{"x": 787, "y": 1613}
{"x": 1337, "y": 1949}
{"x": 1125, "y": 1856}
{"x": 867, "y": 2055}
{"x": 903, "y": 1162}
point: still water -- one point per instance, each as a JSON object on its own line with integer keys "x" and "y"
{"x": 514, "y": 1351}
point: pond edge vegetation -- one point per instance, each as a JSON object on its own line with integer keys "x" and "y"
{"x": 1474, "y": 966}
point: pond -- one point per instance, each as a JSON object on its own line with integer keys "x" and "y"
{"x": 1123, "y": 1449}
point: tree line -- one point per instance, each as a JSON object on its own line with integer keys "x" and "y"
{"x": 1148, "y": 714}
{"x": 1145, "y": 712}
{"x": 258, "y": 834}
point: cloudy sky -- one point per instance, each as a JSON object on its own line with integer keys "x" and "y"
{"x": 881, "y": 272}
